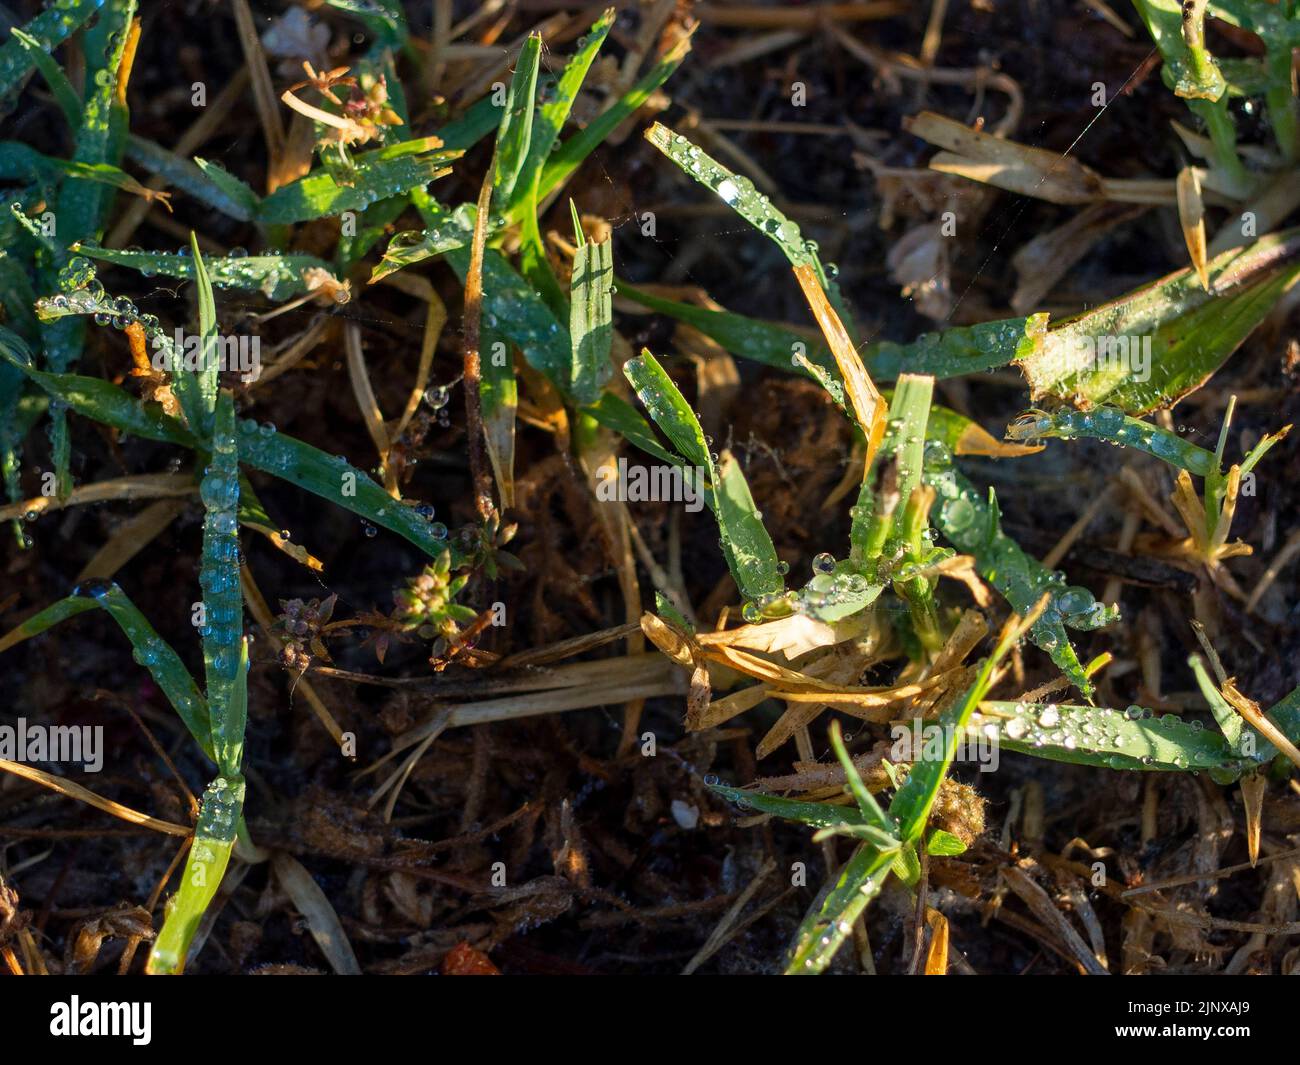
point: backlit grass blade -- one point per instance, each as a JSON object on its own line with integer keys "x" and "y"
{"x": 565, "y": 160}
{"x": 591, "y": 319}
{"x": 49, "y": 29}
{"x": 830, "y": 920}
{"x": 548, "y": 122}
{"x": 1115, "y": 427}
{"x": 44, "y": 620}
{"x": 278, "y": 277}
{"x": 746, "y": 543}
{"x": 215, "y": 192}
{"x": 214, "y": 839}
{"x": 739, "y": 193}
{"x": 223, "y": 626}
{"x": 149, "y": 649}
{"x": 1133, "y": 739}
{"x": 60, "y": 88}
{"x": 499, "y": 402}
{"x": 318, "y": 194}
{"x": 1147, "y": 349}
{"x": 551, "y": 115}
{"x": 516, "y": 130}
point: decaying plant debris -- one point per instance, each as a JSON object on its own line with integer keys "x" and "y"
{"x": 488, "y": 532}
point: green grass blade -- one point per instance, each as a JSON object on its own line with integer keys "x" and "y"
{"x": 516, "y": 130}
{"x": 209, "y": 371}
{"x": 814, "y": 814}
{"x": 830, "y": 920}
{"x": 214, "y": 839}
{"x": 189, "y": 178}
{"x": 619, "y": 415}
{"x": 49, "y": 29}
{"x": 739, "y": 193}
{"x": 318, "y": 194}
{"x": 278, "y": 277}
{"x": 46, "y": 619}
{"x": 223, "y": 627}
{"x": 239, "y": 192}
{"x": 570, "y": 155}
{"x": 746, "y": 543}
{"x": 591, "y": 320}
{"x": 61, "y": 89}
{"x": 1114, "y": 426}
{"x": 1182, "y": 334}
{"x": 1132, "y": 739}
{"x": 971, "y": 522}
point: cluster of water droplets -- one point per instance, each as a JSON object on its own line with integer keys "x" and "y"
{"x": 219, "y": 812}
{"x": 1104, "y": 423}
{"x": 738, "y": 192}
{"x": 219, "y": 573}
{"x": 1130, "y": 739}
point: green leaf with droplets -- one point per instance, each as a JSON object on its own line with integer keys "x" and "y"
{"x": 318, "y": 194}
{"x": 223, "y": 605}
{"x": 278, "y": 277}
{"x": 516, "y": 130}
{"x": 49, "y": 29}
{"x": 746, "y": 543}
{"x": 1149, "y": 348}
{"x": 60, "y": 88}
{"x": 275, "y": 453}
{"x": 150, "y": 649}
{"x": 1114, "y": 426}
{"x": 972, "y": 523}
{"x": 591, "y": 320}
{"x": 739, "y": 193}
{"x": 1113, "y": 739}
{"x": 219, "y": 193}
{"x": 214, "y": 838}
{"x": 951, "y": 353}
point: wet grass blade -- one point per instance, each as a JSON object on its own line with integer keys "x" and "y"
{"x": 591, "y": 319}
{"x": 149, "y": 649}
{"x": 516, "y": 131}
{"x": 746, "y": 543}
{"x": 278, "y": 277}
{"x": 1115, "y": 427}
{"x": 1146, "y": 350}
{"x": 215, "y": 192}
{"x": 739, "y": 193}
{"x": 223, "y": 627}
{"x": 49, "y": 29}
{"x": 951, "y": 353}
{"x": 318, "y": 194}
{"x": 972, "y": 523}
{"x": 214, "y": 839}
{"x": 1132, "y": 739}
{"x": 276, "y": 453}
